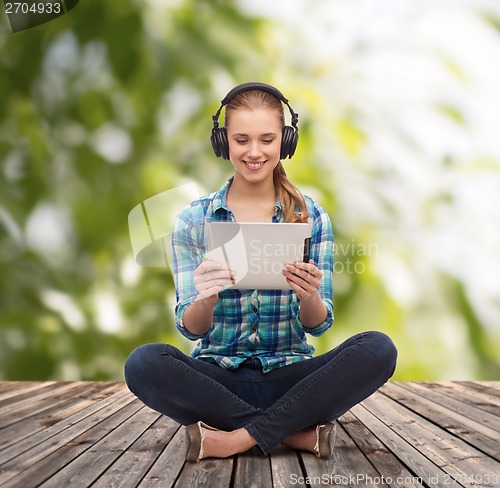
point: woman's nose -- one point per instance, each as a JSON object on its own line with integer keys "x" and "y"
{"x": 254, "y": 150}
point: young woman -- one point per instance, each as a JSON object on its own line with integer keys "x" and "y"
{"x": 252, "y": 378}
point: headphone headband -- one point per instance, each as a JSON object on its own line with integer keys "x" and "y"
{"x": 290, "y": 134}
{"x": 253, "y": 85}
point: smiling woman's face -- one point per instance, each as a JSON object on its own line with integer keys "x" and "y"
{"x": 254, "y": 138}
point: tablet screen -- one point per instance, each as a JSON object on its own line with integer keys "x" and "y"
{"x": 257, "y": 252}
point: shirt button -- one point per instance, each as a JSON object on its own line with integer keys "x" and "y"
{"x": 254, "y": 308}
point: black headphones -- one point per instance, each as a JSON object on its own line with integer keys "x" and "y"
{"x": 289, "y": 137}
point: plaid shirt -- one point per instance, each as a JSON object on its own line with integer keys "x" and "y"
{"x": 248, "y": 323}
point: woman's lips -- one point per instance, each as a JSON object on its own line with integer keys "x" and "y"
{"x": 254, "y": 166}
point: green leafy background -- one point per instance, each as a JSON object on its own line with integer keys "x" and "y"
{"x": 111, "y": 104}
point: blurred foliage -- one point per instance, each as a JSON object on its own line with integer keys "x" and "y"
{"x": 108, "y": 106}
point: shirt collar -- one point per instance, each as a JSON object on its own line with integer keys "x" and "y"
{"x": 220, "y": 199}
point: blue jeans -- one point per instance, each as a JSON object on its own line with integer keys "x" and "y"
{"x": 269, "y": 406}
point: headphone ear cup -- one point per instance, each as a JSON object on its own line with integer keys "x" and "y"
{"x": 219, "y": 142}
{"x": 289, "y": 140}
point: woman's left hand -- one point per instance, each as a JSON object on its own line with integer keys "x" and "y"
{"x": 304, "y": 278}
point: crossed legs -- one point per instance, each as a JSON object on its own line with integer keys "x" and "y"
{"x": 293, "y": 401}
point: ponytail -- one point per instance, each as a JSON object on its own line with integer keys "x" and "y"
{"x": 289, "y": 197}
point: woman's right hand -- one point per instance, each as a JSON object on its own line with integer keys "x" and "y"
{"x": 210, "y": 278}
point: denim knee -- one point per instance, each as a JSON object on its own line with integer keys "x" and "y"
{"x": 139, "y": 364}
{"x": 385, "y": 352}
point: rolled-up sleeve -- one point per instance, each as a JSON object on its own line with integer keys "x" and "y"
{"x": 322, "y": 252}
{"x": 187, "y": 254}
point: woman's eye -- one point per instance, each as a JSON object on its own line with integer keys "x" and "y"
{"x": 267, "y": 141}
{"x": 241, "y": 141}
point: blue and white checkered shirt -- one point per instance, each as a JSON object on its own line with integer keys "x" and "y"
{"x": 261, "y": 324}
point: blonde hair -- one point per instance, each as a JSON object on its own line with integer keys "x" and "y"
{"x": 289, "y": 195}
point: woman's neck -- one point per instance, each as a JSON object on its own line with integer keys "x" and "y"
{"x": 251, "y": 201}
{"x": 243, "y": 191}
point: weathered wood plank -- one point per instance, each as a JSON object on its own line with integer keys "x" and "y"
{"x": 207, "y": 473}
{"x": 132, "y": 466}
{"x": 43, "y": 471}
{"x": 35, "y": 403}
{"x": 11, "y": 389}
{"x": 448, "y": 452}
{"x": 27, "y": 392}
{"x": 455, "y": 405}
{"x": 479, "y": 400}
{"x": 39, "y": 421}
{"x": 59, "y": 431}
{"x": 169, "y": 464}
{"x": 406, "y": 435}
{"x": 424, "y": 469}
{"x": 67, "y": 444}
{"x": 471, "y": 431}
{"x": 253, "y": 470}
{"x": 394, "y": 473}
{"x": 482, "y": 387}
{"x": 349, "y": 466}
{"x": 83, "y": 470}
{"x": 494, "y": 385}
{"x": 284, "y": 464}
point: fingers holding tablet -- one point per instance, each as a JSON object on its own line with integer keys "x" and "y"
{"x": 306, "y": 276}
{"x": 211, "y": 277}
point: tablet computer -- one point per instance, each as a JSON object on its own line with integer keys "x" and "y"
{"x": 258, "y": 251}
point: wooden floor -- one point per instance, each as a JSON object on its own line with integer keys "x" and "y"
{"x": 80, "y": 434}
